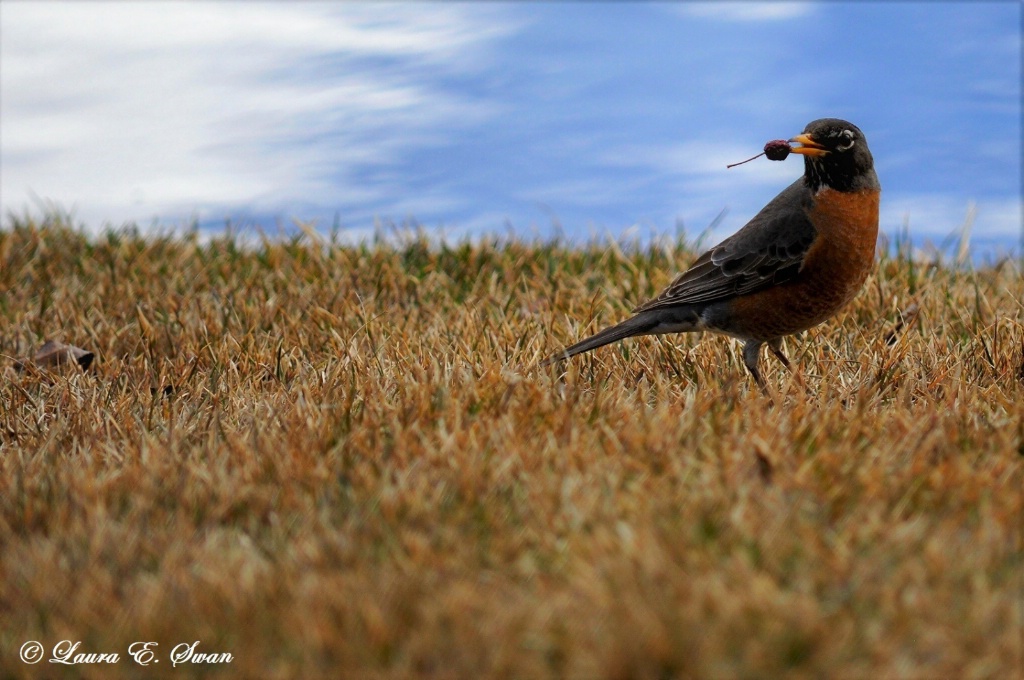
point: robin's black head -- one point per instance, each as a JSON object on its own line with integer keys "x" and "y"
{"x": 836, "y": 155}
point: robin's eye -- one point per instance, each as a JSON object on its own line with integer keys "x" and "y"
{"x": 847, "y": 143}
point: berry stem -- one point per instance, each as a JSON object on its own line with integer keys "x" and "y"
{"x": 746, "y": 161}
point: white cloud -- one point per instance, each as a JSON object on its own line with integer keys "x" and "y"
{"x": 935, "y": 217}
{"x": 747, "y": 11}
{"x": 700, "y": 185}
{"x": 129, "y": 111}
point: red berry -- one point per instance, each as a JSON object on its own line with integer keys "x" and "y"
{"x": 777, "y": 150}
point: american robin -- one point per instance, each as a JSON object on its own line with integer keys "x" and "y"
{"x": 794, "y": 265}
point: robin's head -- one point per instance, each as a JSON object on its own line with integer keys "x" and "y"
{"x": 836, "y": 155}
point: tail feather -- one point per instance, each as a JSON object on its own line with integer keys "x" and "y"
{"x": 641, "y": 324}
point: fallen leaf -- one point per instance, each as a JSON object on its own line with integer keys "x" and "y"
{"x": 54, "y": 354}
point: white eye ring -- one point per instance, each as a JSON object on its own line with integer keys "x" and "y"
{"x": 847, "y": 134}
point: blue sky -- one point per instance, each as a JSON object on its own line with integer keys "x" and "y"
{"x": 594, "y": 119}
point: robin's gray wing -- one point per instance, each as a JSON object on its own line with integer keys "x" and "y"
{"x": 767, "y": 251}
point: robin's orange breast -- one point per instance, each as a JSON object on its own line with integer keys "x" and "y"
{"x": 833, "y": 271}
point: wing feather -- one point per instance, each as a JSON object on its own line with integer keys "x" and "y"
{"x": 767, "y": 251}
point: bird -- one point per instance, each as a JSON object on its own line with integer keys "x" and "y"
{"x": 794, "y": 265}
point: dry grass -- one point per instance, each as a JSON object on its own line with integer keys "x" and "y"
{"x": 335, "y": 461}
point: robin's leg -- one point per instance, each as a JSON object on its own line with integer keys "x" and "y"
{"x": 776, "y": 347}
{"x": 751, "y": 353}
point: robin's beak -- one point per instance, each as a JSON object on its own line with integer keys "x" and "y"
{"x": 808, "y": 147}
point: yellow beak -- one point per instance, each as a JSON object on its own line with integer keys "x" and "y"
{"x": 808, "y": 147}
